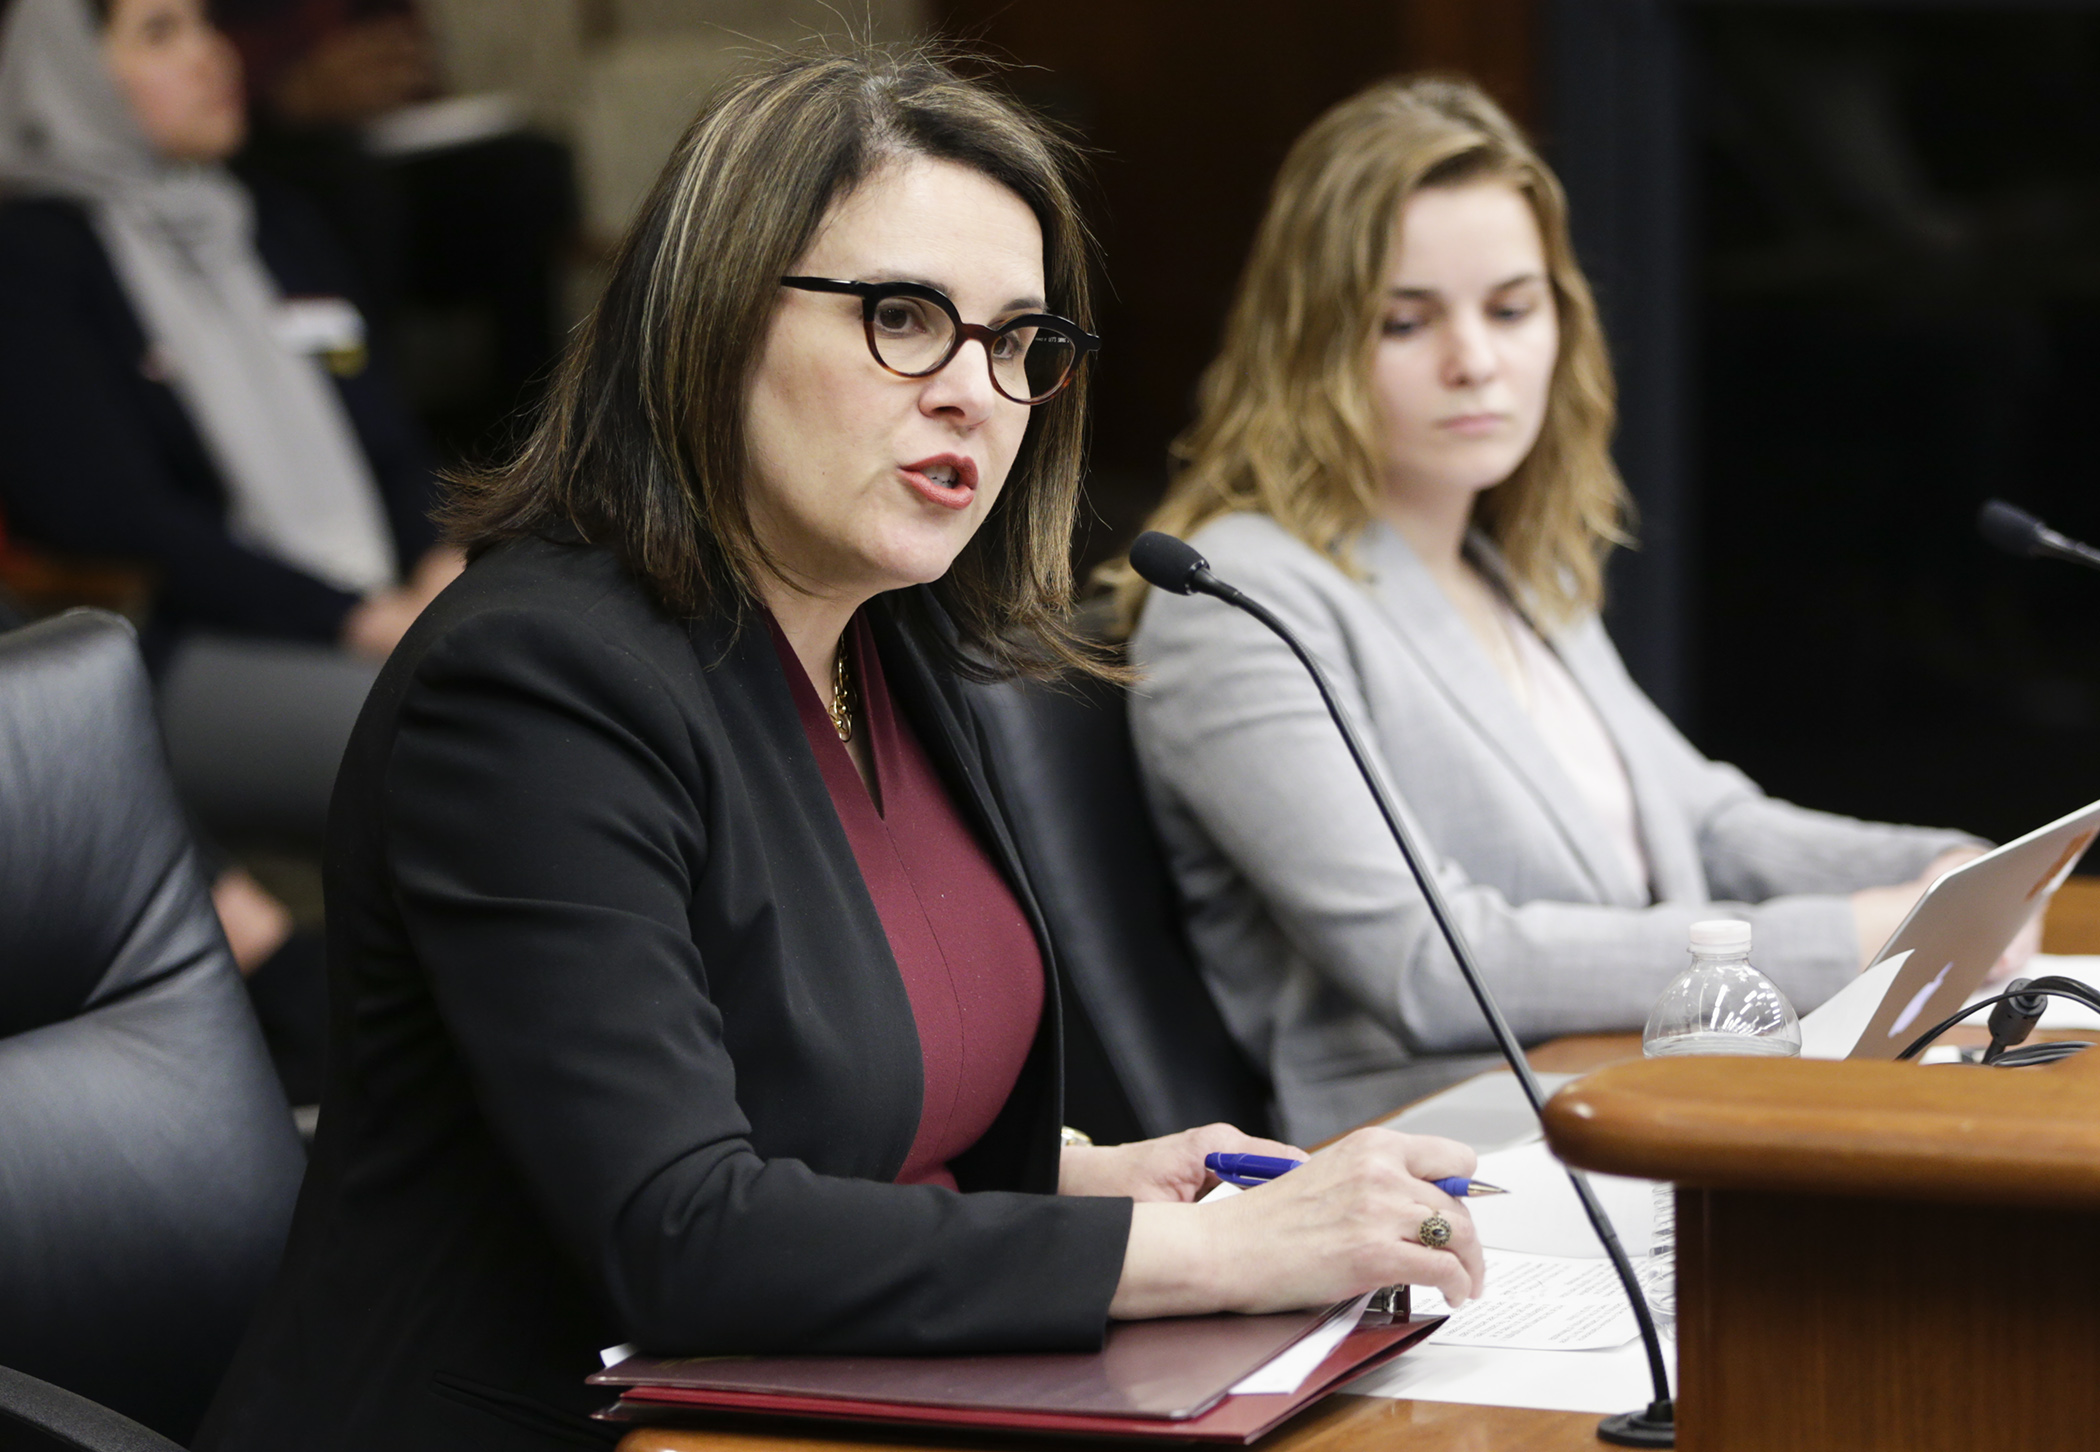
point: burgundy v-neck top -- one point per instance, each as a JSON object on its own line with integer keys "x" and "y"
{"x": 970, "y": 964}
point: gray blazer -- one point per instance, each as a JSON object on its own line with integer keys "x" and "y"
{"x": 1314, "y": 939}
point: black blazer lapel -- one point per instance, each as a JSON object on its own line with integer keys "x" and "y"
{"x": 757, "y": 709}
{"x": 1021, "y": 1149}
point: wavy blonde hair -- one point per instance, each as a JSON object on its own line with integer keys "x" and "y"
{"x": 1286, "y": 425}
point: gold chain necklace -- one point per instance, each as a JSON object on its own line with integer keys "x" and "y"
{"x": 841, "y": 707}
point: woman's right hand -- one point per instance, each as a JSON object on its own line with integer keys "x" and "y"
{"x": 1341, "y": 1224}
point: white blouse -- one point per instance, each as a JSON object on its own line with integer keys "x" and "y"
{"x": 1574, "y": 733}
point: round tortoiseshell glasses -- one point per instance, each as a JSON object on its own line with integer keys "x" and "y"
{"x": 914, "y": 330}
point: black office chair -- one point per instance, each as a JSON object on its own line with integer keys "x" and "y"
{"x": 36, "y": 1416}
{"x": 147, "y": 1158}
{"x": 1146, "y": 1052}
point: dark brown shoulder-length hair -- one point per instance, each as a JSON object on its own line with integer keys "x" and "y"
{"x": 641, "y": 445}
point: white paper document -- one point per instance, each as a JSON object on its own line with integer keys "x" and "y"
{"x": 1600, "y": 1382}
{"x": 1831, "y": 1031}
{"x": 1550, "y": 1290}
{"x": 1541, "y": 1216}
{"x": 1289, "y": 1368}
{"x": 1553, "y": 1330}
{"x": 1537, "y": 1303}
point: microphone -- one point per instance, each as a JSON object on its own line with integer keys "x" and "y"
{"x": 2019, "y": 533}
{"x": 1173, "y": 565}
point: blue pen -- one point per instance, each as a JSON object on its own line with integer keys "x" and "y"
{"x": 1247, "y": 1171}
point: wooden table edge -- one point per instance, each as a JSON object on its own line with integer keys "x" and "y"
{"x": 1342, "y": 1422}
{"x": 1960, "y": 1134}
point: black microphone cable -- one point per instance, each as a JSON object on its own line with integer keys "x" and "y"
{"x": 2014, "y": 1013}
{"x": 2014, "y": 1019}
{"x": 1173, "y": 565}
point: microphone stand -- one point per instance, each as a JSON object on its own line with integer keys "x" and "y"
{"x": 1656, "y": 1426}
{"x": 2017, "y": 532}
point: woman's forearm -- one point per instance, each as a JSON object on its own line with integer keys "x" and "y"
{"x": 1170, "y": 1265}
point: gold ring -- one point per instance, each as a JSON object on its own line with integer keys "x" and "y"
{"x": 1434, "y": 1231}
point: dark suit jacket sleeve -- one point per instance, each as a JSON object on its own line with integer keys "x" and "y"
{"x": 546, "y": 820}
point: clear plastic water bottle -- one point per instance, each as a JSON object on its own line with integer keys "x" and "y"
{"x": 1719, "y": 1005}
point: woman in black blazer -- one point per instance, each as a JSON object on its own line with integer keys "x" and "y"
{"x": 687, "y": 988}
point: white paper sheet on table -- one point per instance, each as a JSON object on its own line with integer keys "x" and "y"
{"x": 1287, "y": 1370}
{"x": 1537, "y": 1303}
{"x": 1554, "y": 1381}
{"x": 1540, "y": 1219}
{"x": 1832, "y": 1030}
{"x": 1541, "y": 1216}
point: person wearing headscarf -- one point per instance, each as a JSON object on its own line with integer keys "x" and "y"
{"x": 184, "y": 384}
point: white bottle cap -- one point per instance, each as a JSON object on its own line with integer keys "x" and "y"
{"x": 1721, "y": 935}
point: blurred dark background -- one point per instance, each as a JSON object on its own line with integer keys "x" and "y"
{"x": 1897, "y": 284}
{"x": 1849, "y": 258}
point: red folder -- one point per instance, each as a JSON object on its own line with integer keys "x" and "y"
{"x": 1168, "y": 1379}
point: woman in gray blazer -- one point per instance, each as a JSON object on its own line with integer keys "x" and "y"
{"x": 1402, "y": 450}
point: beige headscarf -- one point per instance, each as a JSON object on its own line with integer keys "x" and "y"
{"x": 180, "y": 236}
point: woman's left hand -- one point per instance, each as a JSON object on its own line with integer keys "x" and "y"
{"x": 1168, "y": 1168}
